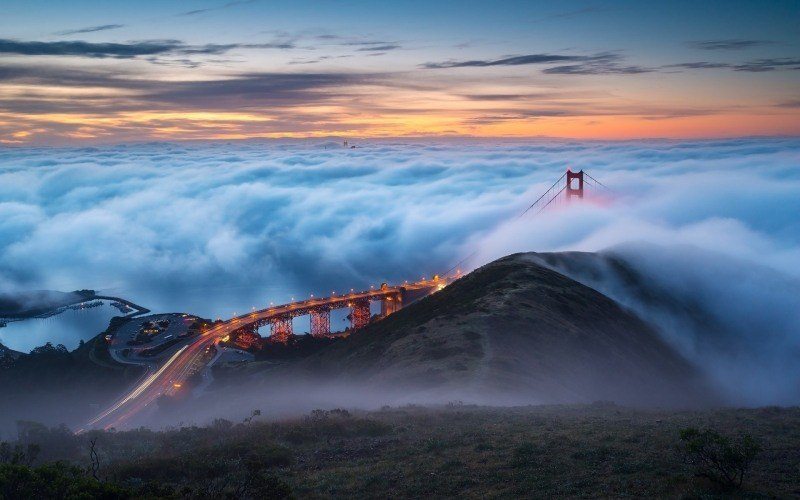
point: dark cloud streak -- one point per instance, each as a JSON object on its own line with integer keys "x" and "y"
{"x": 597, "y": 64}
{"x": 127, "y": 50}
{"x": 506, "y": 61}
{"x": 89, "y": 49}
{"x": 380, "y": 48}
{"x": 91, "y": 29}
{"x": 754, "y": 66}
{"x": 728, "y": 44}
{"x": 210, "y": 9}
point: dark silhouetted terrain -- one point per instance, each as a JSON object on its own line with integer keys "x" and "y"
{"x": 53, "y": 385}
{"x": 598, "y": 450}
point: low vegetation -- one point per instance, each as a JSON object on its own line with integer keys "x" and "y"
{"x": 453, "y": 450}
{"x": 719, "y": 458}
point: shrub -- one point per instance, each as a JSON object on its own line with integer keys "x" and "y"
{"x": 56, "y": 480}
{"x": 717, "y": 457}
{"x": 525, "y": 455}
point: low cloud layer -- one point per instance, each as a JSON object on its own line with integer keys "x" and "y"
{"x": 214, "y": 229}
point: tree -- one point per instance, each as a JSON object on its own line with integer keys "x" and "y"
{"x": 717, "y": 457}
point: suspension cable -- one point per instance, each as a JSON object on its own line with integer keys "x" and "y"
{"x": 596, "y": 181}
{"x": 551, "y": 199}
{"x": 543, "y": 195}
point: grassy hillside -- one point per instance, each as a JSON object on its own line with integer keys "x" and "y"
{"x": 598, "y": 450}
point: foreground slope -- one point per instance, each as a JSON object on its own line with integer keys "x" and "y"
{"x": 53, "y": 385}
{"x": 512, "y": 331}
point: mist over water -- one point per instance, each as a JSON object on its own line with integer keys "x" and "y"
{"x": 217, "y": 228}
{"x": 68, "y": 328}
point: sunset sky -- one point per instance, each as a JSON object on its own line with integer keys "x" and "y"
{"x": 107, "y": 72}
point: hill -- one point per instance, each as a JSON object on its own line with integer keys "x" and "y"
{"x": 511, "y": 332}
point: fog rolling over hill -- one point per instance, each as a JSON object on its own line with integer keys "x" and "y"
{"x": 737, "y": 321}
{"x": 511, "y": 332}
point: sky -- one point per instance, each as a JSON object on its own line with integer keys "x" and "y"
{"x": 94, "y": 72}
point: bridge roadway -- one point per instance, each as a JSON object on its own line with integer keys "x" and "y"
{"x": 170, "y": 377}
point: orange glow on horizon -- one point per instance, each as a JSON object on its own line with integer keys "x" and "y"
{"x": 207, "y": 125}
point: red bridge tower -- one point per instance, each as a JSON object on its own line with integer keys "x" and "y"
{"x": 360, "y": 314}
{"x": 572, "y": 189}
{"x": 320, "y": 322}
{"x": 281, "y": 329}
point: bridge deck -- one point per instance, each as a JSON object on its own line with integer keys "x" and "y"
{"x": 301, "y": 308}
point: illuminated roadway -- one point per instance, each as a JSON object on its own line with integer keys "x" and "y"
{"x": 168, "y": 378}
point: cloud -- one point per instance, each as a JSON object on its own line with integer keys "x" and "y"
{"x": 126, "y": 50}
{"x": 91, "y": 29}
{"x": 601, "y": 63}
{"x": 506, "y": 61}
{"x": 511, "y": 97}
{"x": 88, "y": 49}
{"x": 769, "y": 64}
{"x": 611, "y": 63}
{"x": 754, "y": 66}
{"x": 698, "y": 65}
{"x": 213, "y": 48}
{"x": 258, "y": 89}
{"x": 220, "y": 7}
{"x": 380, "y": 48}
{"x": 728, "y": 44}
{"x": 254, "y": 88}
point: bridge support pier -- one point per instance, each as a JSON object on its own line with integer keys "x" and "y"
{"x": 391, "y": 304}
{"x": 320, "y": 323}
{"x": 280, "y": 329}
{"x": 359, "y": 314}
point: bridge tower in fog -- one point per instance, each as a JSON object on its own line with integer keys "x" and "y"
{"x": 574, "y": 188}
{"x": 562, "y": 191}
